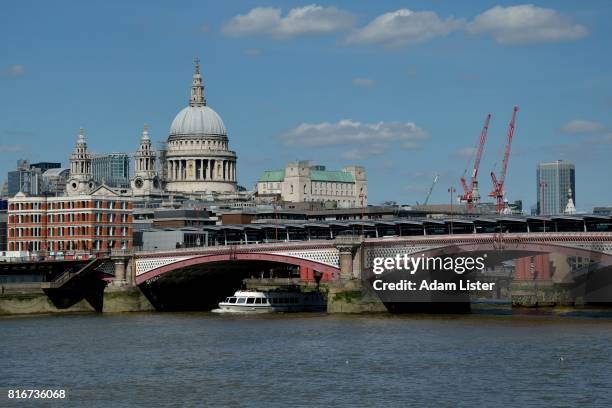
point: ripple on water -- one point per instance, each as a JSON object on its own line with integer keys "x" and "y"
{"x": 303, "y": 360}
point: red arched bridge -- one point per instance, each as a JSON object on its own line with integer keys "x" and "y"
{"x": 351, "y": 256}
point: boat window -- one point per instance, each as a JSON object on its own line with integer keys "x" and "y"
{"x": 232, "y": 300}
{"x": 264, "y": 301}
{"x": 258, "y": 301}
{"x": 241, "y": 300}
{"x": 250, "y": 301}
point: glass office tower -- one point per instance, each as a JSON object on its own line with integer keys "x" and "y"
{"x": 554, "y": 180}
{"x": 111, "y": 169}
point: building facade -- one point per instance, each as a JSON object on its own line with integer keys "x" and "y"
{"x": 44, "y": 166}
{"x": 111, "y": 169}
{"x": 25, "y": 178}
{"x": 55, "y": 180}
{"x": 198, "y": 158}
{"x": 305, "y": 182}
{"x": 99, "y": 221}
{"x": 554, "y": 182}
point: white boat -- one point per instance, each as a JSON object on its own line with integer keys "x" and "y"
{"x": 255, "y": 301}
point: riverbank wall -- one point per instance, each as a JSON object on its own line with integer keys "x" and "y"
{"x": 32, "y": 300}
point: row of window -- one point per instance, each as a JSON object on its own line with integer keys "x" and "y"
{"x": 70, "y": 217}
{"x": 68, "y": 205}
{"x": 262, "y": 301}
{"x": 68, "y": 231}
{"x": 209, "y": 144}
{"x": 72, "y": 245}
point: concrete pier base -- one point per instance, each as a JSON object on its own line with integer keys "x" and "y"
{"x": 352, "y": 296}
{"x": 543, "y": 294}
{"x": 113, "y": 300}
{"x": 125, "y": 299}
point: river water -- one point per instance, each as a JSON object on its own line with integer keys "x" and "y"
{"x": 202, "y": 359}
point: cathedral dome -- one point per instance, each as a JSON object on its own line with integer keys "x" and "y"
{"x": 198, "y": 159}
{"x": 197, "y": 121}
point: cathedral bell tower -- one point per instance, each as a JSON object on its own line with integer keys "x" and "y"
{"x": 145, "y": 180}
{"x": 81, "y": 181}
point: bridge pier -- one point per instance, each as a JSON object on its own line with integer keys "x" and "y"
{"x": 350, "y": 250}
{"x": 119, "y": 272}
{"x": 350, "y": 294}
{"x": 123, "y": 277}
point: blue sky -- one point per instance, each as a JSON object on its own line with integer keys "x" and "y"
{"x": 401, "y": 87}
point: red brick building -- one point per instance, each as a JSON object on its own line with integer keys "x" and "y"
{"x": 96, "y": 222}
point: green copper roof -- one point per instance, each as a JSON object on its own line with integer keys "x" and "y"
{"x": 274, "y": 175}
{"x": 331, "y": 176}
{"x": 315, "y": 175}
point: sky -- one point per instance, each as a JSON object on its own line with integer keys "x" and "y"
{"x": 400, "y": 87}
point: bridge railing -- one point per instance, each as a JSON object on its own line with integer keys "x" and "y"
{"x": 249, "y": 247}
{"x": 355, "y": 239}
{"x": 522, "y": 236}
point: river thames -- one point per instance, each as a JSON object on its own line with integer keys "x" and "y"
{"x": 202, "y": 359}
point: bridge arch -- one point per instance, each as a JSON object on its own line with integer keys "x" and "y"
{"x": 528, "y": 248}
{"x": 501, "y": 249}
{"x": 331, "y": 271}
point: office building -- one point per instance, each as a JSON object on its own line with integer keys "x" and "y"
{"x": 554, "y": 182}
{"x": 25, "y": 178}
{"x": 44, "y": 166}
{"x": 99, "y": 221}
{"x": 112, "y": 169}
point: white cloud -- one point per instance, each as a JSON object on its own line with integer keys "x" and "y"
{"x": 364, "y": 82}
{"x": 581, "y": 126}
{"x": 11, "y": 149}
{"x": 13, "y": 70}
{"x": 348, "y": 131}
{"x": 525, "y": 24}
{"x": 402, "y": 27}
{"x": 312, "y": 19}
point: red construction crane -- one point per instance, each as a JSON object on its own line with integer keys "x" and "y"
{"x": 498, "y": 185}
{"x": 471, "y": 195}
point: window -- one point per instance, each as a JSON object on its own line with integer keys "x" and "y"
{"x": 250, "y": 301}
{"x": 241, "y": 300}
{"x": 232, "y": 300}
{"x": 258, "y": 301}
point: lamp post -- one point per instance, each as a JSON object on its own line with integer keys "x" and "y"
{"x": 451, "y": 191}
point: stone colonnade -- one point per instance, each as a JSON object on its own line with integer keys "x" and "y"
{"x": 201, "y": 169}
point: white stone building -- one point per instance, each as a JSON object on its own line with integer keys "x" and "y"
{"x": 81, "y": 180}
{"x": 305, "y": 182}
{"x": 198, "y": 159}
{"x": 146, "y": 181}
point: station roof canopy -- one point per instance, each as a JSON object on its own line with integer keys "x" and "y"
{"x": 458, "y": 221}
